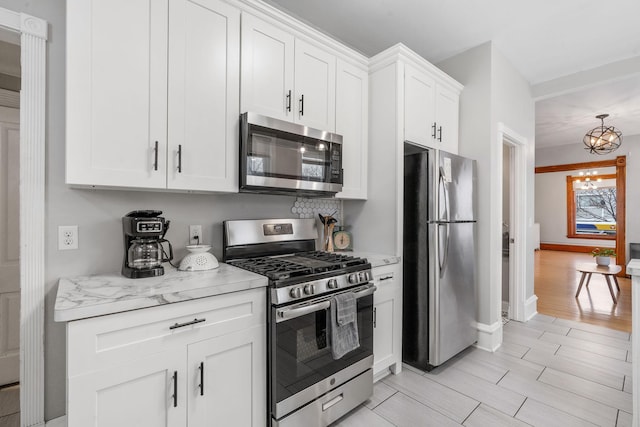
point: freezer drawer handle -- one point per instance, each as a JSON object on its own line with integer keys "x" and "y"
{"x": 332, "y": 402}
{"x": 182, "y": 325}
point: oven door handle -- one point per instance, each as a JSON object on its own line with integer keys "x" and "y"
{"x": 370, "y": 290}
{"x": 292, "y": 313}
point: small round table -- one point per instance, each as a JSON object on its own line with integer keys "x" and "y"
{"x": 607, "y": 271}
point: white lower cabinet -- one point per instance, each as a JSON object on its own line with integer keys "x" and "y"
{"x": 230, "y": 384}
{"x": 387, "y": 321}
{"x": 195, "y": 363}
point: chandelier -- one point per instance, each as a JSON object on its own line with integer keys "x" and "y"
{"x": 589, "y": 177}
{"x": 603, "y": 139}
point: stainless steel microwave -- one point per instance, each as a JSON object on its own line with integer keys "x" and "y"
{"x": 279, "y": 157}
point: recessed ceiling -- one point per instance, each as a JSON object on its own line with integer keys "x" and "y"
{"x": 544, "y": 40}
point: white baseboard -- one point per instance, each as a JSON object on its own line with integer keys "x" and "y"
{"x": 530, "y": 307}
{"x": 489, "y": 336}
{"x": 57, "y": 422}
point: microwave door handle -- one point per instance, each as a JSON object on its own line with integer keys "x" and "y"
{"x": 292, "y": 313}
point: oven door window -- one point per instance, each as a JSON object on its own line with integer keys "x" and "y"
{"x": 302, "y": 349}
{"x": 281, "y": 155}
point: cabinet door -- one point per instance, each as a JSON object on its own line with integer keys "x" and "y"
{"x": 116, "y": 92}
{"x": 352, "y": 106}
{"x": 419, "y": 115}
{"x": 204, "y": 66}
{"x": 387, "y": 332}
{"x": 447, "y": 113}
{"x": 140, "y": 393}
{"x": 267, "y": 69}
{"x": 383, "y": 330}
{"x": 227, "y": 384}
{"x": 315, "y": 83}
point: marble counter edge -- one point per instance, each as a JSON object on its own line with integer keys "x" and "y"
{"x": 377, "y": 260}
{"x": 633, "y": 268}
{"x": 69, "y": 309}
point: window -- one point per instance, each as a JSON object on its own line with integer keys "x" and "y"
{"x": 591, "y": 207}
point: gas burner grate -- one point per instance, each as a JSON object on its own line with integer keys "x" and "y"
{"x": 273, "y": 268}
{"x": 298, "y": 264}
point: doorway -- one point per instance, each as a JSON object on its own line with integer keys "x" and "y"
{"x": 507, "y": 219}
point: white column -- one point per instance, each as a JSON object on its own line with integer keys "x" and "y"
{"x": 32, "y": 181}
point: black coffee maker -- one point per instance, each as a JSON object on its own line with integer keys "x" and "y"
{"x": 144, "y": 254}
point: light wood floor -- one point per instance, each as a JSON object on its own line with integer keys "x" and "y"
{"x": 556, "y": 283}
{"x": 549, "y": 372}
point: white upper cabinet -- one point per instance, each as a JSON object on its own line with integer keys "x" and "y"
{"x": 204, "y": 82}
{"x": 150, "y": 84}
{"x": 419, "y": 106}
{"x": 447, "y": 118}
{"x": 286, "y": 78}
{"x": 315, "y": 87}
{"x": 430, "y": 110}
{"x": 267, "y": 69}
{"x": 352, "y": 103}
{"x": 116, "y": 92}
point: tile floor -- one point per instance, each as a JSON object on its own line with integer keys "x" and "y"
{"x": 549, "y": 372}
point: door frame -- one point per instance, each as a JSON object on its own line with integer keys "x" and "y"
{"x": 33, "y": 45}
{"x": 519, "y": 308}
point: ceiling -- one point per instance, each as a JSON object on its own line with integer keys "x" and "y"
{"x": 544, "y": 40}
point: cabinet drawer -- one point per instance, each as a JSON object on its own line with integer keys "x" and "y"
{"x": 111, "y": 340}
{"x": 386, "y": 275}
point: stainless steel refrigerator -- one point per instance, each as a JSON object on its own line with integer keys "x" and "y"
{"x": 439, "y": 290}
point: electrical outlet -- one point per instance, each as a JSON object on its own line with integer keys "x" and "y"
{"x": 195, "y": 234}
{"x": 67, "y": 237}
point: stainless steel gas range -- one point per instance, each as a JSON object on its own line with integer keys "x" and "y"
{"x": 307, "y": 384}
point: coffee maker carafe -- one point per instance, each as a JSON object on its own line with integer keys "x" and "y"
{"x": 144, "y": 254}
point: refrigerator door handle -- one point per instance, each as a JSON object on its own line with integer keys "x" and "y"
{"x": 441, "y": 183}
{"x": 444, "y": 254}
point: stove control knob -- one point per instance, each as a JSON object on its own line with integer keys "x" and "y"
{"x": 353, "y": 278}
{"x": 309, "y": 289}
{"x": 332, "y": 284}
{"x": 366, "y": 276}
{"x": 362, "y": 277}
{"x": 295, "y": 293}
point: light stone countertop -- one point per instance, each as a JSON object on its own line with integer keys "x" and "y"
{"x": 633, "y": 268}
{"x": 88, "y": 296}
{"x": 376, "y": 260}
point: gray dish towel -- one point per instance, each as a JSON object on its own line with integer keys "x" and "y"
{"x": 344, "y": 324}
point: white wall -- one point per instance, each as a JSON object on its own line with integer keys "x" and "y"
{"x": 551, "y": 209}
{"x": 98, "y": 212}
{"x": 575, "y": 153}
{"x": 494, "y": 93}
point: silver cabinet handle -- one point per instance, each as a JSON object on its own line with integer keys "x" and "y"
{"x": 301, "y": 105}
{"x": 289, "y": 100}
{"x": 182, "y": 325}
{"x": 440, "y": 134}
{"x": 375, "y": 312}
{"x": 201, "y": 386}
{"x": 179, "y": 158}
{"x": 433, "y": 130}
